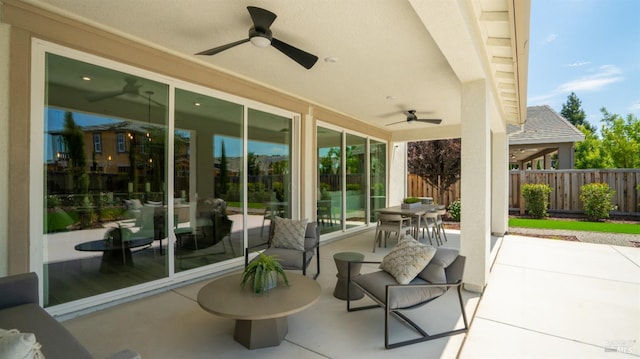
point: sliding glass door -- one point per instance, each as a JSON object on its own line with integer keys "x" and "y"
{"x": 105, "y": 160}
{"x": 208, "y": 191}
{"x": 144, "y": 177}
{"x": 347, "y": 195}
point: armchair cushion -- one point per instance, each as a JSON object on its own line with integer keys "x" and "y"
{"x": 408, "y": 258}
{"x": 434, "y": 272}
{"x": 289, "y": 233}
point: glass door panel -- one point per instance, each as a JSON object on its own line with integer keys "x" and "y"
{"x": 378, "y": 177}
{"x": 356, "y": 181}
{"x": 105, "y": 205}
{"x": 208, "y": 216}
{"x": 329, "y": 206}
{"x": 268, "y": 173}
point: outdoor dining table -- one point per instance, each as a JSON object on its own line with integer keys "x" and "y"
{"x": 415, "y": 212}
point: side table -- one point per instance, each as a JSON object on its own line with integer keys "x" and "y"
{"x": 342, "y": 260}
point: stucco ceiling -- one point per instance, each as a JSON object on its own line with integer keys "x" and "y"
{"x": 389, "y": 56}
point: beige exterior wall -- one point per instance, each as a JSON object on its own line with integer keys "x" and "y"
{"x": 29, "y": 22}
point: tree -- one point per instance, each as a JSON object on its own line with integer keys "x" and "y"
{"x": 437, "y": 162}
{"x": 572, "y": 111}
{"x": 223, "y": 181}
{"x": 589, "y": 153}
{"x": 621, "y": 139}
{"x": 74, "y": 139}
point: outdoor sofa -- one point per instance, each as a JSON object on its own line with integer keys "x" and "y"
{"x": 19, "y": 310}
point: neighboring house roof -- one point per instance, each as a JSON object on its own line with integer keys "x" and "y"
{"x": 543, "y": 125}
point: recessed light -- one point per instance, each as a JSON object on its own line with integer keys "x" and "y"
{"x": 86, "y": 78}
{"x": 197, "y": 104}
{"x": 331, "y": 59}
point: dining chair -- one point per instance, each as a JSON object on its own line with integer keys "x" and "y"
{"x": 391, "y": 223}
{"x": 428, "y": 224}
{"x": 441, "y": 210}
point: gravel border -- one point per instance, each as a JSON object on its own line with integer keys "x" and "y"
{"x": 616, "y": 239}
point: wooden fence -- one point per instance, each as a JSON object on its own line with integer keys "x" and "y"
{"x": 565, "y": 188}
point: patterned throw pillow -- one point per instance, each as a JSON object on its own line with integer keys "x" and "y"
{"x": 14, "y": 344}
{"x": 407, "y": 259}
{"x": 289, "y": 233}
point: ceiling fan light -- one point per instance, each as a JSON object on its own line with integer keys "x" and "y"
{"x": 260, "y": 41}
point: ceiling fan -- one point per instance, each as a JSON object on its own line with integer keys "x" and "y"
{"x": 411, "y": 117}
{"x": 260, "y": 35}
{"x": 131, "y": 89}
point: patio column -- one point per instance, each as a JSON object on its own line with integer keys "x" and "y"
{"x": 475, "y": 184}
{"x": 500, "y": 184}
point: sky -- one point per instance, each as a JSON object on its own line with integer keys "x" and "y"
{"x": 590, "y": 47}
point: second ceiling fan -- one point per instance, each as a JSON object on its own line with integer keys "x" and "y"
{"x": 411, "y": 117}
{"x": 260, "y": 35}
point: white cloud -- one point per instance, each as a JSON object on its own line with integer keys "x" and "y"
{"x": 551, "y": 38}
{"x": 607, "y": 74}
{"x": 604, "y": 75}
{"x": 578, "y": 64}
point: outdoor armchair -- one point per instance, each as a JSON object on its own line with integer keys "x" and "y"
{"x": 394, "y": 298}
{"x": 294, "y": 258}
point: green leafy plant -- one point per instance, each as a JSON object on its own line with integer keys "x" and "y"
{"x": 410, "y": 200}
{"x": 259, "y": 273}
{"x": 455, "y": 209}
{"x": 596, "y": 198}
{"x": 536, "y": 198}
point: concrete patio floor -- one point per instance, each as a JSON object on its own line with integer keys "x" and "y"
{"x": 545, "y": 299}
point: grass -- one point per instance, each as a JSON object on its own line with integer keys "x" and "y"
{"x": 628, "y": 228}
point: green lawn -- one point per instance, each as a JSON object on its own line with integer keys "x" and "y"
{"x": 629, "y": 228}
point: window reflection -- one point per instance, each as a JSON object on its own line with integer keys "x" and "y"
{"x": 105, "y": 195}
{"x": 207, "y": 180}
{"x": 329, "y": 206}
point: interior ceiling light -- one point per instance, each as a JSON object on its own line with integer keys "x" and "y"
{"x": 86, "y": 78}
{"x": 197, "y": 104}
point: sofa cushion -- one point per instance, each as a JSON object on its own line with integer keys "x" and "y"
{"x": 400, "y": 297}
{"x": 14, "y": 344}
{"x": 56, "y": 340}
{"x": 289, "y": 233}
{"x": 408, "y": 258}
{"x": 434, "y": 272}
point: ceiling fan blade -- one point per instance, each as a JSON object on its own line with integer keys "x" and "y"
{"x": 304, "y": 58}
{"x": 97, "y": 96}
{"x": 429, "y": 120}
{"x": 262, "y": 19}
{"x": 395, "y": 123}
{"x": 218, "y": 49}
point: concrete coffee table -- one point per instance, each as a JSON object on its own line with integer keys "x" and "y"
{"x": 261, "y": 319}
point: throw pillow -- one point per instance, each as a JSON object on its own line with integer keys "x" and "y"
{"x": 289, "y": 233}
{"x": 407, "y": 259}
{"x": 434, "y": 271}
{"x": 14, "y": 344}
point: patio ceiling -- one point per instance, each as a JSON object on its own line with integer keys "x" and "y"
{"x": 382, "y": 57}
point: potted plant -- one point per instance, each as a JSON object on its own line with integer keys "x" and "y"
{"x": 411, "y": 203}
{"x": 263, "y": 274}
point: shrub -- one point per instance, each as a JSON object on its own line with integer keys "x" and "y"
{"x": 455, "y": 209}
{"x": 536, "y": 198}
{"x": 596, "y": 198}
{"x": 409, "y": 200}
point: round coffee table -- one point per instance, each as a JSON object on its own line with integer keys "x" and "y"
{"x": 342, "y": 260}
{"x": 261, "y": 319}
